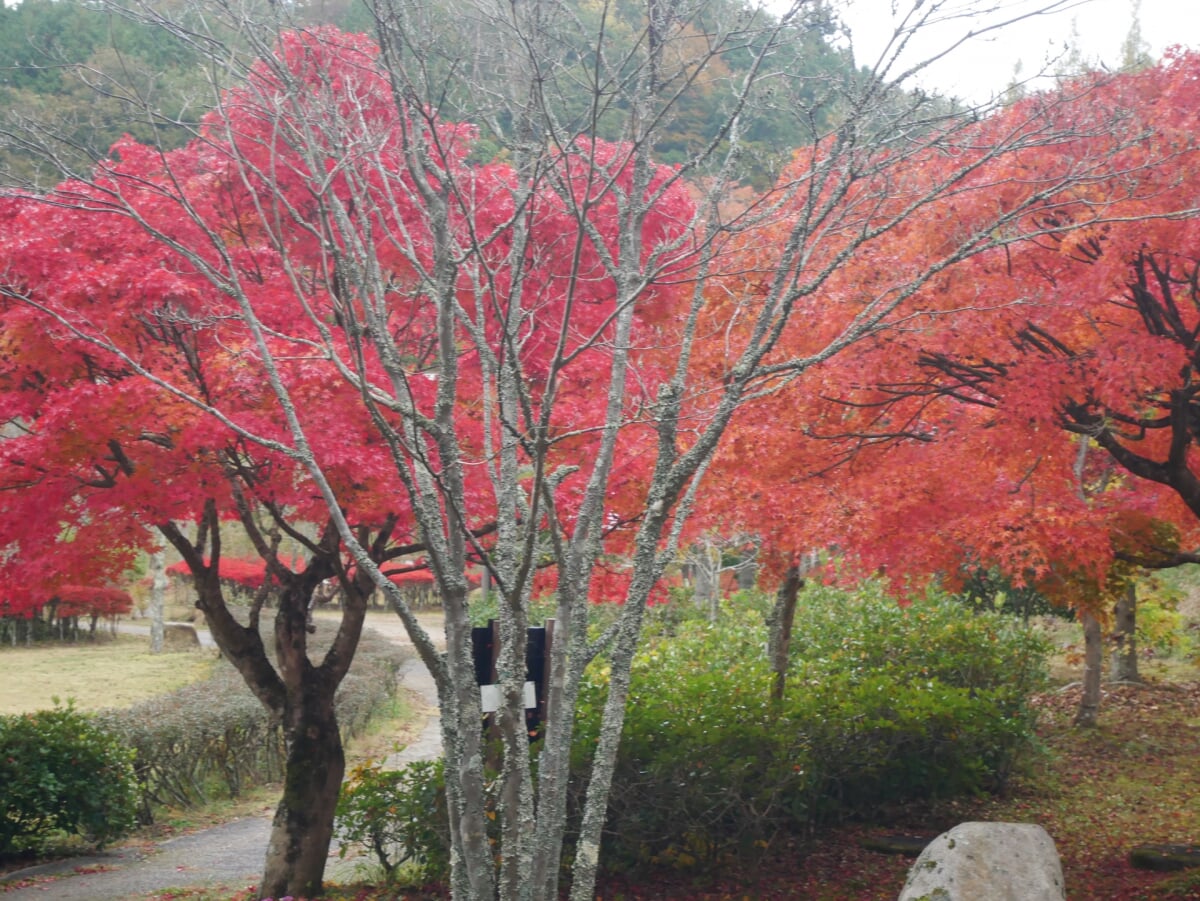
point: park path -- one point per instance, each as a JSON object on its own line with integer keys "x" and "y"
{"x": 229, "y": 856}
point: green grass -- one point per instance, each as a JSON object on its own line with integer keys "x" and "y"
{"x": 110, "y": 672}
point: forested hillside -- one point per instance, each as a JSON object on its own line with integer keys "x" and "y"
{"x": 84, "y": 76}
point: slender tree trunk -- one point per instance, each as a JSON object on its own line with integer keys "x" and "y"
{"x": 303, "y": 827}
{"x": 780, "y": 635}
{"x": 1124, "y": 658}
{"x": 1093, "y": 671}
{"x": 158, "y": 589}
{"x": 706, "y": 591}
{"x": 747, "y": 574}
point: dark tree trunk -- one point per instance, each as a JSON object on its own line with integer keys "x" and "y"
{"x": 303, "y": 827}
{"x": 296, "y": 690}
{"x": 1125, "y": 660}
{"x": 1093, "y": 671}
{"x": 780, "y": 635}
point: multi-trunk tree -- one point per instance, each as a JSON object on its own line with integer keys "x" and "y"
{"x": 508, "y": 343}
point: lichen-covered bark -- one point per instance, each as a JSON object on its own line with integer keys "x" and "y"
{"x": 158, "y": 588}
{"x": 1093, "y": 671}
{"x": 779, "y": 640}
{"x": 1124, "y": 655}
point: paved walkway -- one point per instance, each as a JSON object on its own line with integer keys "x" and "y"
{"x": 230, "y": 855}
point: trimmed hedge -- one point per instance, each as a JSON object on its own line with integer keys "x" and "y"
{"x": 214, "y": 739}
{"x": 60, "y": 771}
{"x": 884, "y": 704}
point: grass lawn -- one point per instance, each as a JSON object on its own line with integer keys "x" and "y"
{"x": 110, "y": 672}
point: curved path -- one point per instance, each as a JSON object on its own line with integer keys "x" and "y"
{"x": 230, "y": 855}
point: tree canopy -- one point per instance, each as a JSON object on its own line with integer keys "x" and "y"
{"x": 1032, "y": 414}
{"x": 339, "y": 315}
{"x": 85, "y": 74}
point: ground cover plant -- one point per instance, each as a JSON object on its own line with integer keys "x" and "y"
{"x": 1097, "y": 791}
{"x": 886, "y": 704}
{"x": 1131, "y": 779}
{"x": 186, "y": 724}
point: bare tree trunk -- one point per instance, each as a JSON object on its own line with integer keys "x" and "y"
{"x": 706, "y": 562}
{"x": 747, "y": 574}
{"x": 302, "y": 830}
{"x": 779, "y": 638}
{"x": 158, "y": 588}
{"x": 1093, "y": 671}
{"x": 1124, "y": 657}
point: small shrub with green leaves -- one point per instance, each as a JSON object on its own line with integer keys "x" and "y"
{"x": 399, "y": 816}
{"x": 884, "y": 703}
{"x": 1160, "y": 625}
{"x": 61, "y": 772}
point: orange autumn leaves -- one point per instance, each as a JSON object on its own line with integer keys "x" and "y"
{"x": 965, "y": 428}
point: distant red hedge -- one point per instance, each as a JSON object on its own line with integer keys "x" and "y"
{"x": 84, "y": 600}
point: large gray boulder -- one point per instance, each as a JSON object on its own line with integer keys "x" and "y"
{"x": 992, "y": 861}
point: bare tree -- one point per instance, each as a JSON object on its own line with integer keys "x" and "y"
{"x": 393, "y": 194}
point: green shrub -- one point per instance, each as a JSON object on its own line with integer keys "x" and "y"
{"x": 884, "y": 703}
{"x": 866, "y": 632}
{"x": 62, "y": 772}
{"x": 699, "y": 762}
{"x": 1160, "y": 625}
{"x": 399, "y": 816}
{"x": 990, "y": 589}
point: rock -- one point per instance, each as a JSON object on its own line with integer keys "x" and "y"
{"x": 895, "y": 843}
{"x": 996, "y": 861}
{"x": 180, "y": 637}
{"x": 1165, "y": 858}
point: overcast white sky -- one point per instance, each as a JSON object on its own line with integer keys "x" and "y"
{"x": 985, "y": 64}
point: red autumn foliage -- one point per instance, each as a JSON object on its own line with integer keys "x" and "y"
{"x": 101, "y": 440}
{"x": 86, "y": 600}
{"x": 1024, "y": 416}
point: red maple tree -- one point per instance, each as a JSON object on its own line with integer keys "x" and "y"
{"x": 1028, "y": 410}
{"x": 131, "y": 375}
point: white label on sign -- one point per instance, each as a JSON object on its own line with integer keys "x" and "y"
{"x": 489, "y": 697}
